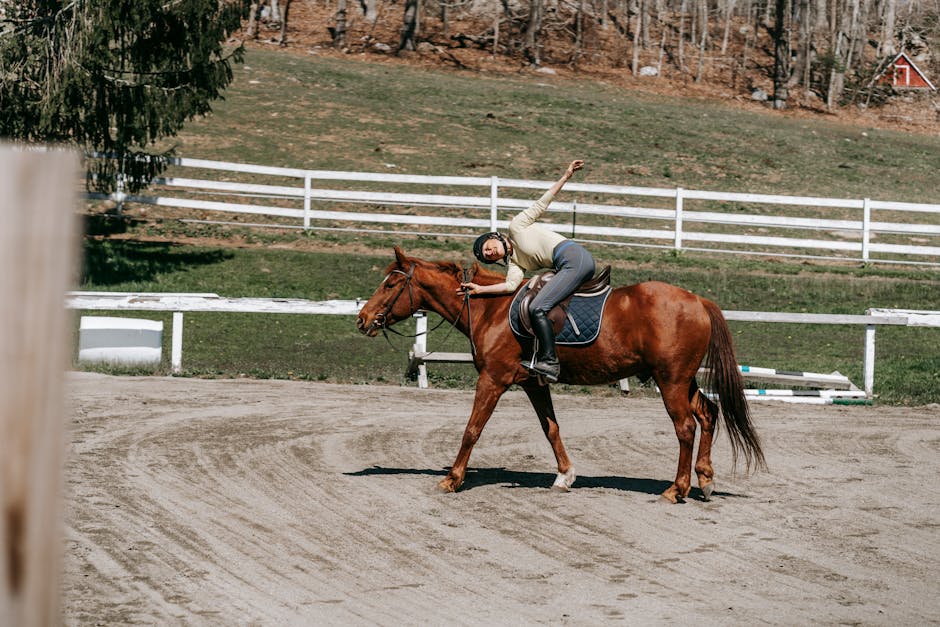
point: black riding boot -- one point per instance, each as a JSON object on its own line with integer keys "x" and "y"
{"x": 546, "y": 363}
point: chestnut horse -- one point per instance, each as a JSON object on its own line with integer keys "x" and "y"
{"x": 650, "y": 329}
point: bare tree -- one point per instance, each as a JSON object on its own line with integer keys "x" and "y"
{"x": 409, "y": 29}
{"x": 781, "y": 34}
{"x": 728, "y": 10}
{"x": 254, "y": 17}
{"x": 703, "y": 38}
{"x": 803, "y": 47}
{"x": 681, "y": 39}
{"x": 533, "y": 28}
{"x": 338, "y": 31}
{"x": 285, "y": 9}
{"x": 887, "y": 43}
{"x": 637, "y": 36}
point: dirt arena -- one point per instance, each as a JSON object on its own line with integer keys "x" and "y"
{"x": 275, "y": 502}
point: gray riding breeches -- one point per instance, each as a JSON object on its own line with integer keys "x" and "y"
{"x": 573, "y": 266}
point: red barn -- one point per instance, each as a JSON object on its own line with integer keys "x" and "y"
{"x": 902, "y": 73}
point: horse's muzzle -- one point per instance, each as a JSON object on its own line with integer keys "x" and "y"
{"x": 371, "y": 329}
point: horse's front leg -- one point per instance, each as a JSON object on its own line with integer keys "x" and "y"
{"x": 541, "y": 399}
{"x": 488, "y": 394}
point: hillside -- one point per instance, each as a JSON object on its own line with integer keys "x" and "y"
{"x": 461, "y": 46}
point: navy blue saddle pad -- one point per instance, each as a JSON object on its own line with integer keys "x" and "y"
{"x": 587, "y": 312}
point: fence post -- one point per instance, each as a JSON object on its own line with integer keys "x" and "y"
{"x": 574, "y": 217}
{"x": 38, "y": 261}
{"x": 866, "y": 228}
{"x": 421, "y": 346}
{"x": 176, "y": 347}
{"x": 494, "y": 201}
{"x": 678, "y": 244}
{"x": 307, "y": 200}
{"x": 868, "y": 366}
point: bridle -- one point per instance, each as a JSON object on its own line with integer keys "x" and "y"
{"x": 381, "y": 319}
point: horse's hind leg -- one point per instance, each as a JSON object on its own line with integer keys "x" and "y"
{"x": 541, "y": 398}
{"x": 706, "y": 413}
{"x": 676, "y": 400}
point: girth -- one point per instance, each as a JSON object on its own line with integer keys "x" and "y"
{"x": 559, "y": 313}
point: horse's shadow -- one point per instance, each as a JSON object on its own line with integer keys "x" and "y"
{"x": 479, "y": 477}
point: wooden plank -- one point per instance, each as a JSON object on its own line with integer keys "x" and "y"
{"x": 810, "y": 318}
{"x": 38, "y": 246}
{"x": 444, "y": 358}
{"x": 119, "y": 301}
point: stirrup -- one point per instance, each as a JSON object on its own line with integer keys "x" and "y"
{"x": 542, "y": 370}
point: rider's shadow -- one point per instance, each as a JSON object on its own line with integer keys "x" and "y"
{"x": 479, "y": 477}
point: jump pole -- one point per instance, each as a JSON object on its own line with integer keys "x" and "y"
{"x": 37, "y": 265}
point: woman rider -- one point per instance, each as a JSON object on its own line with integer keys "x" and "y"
{"x": 533, "y": 247}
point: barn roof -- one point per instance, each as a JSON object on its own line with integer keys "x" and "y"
{"x": 910, "y": 62}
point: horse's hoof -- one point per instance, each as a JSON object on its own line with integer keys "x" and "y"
{"x": 446, "y": 486}
{"x": 707, "y": 490}
{"x": 672, "y": 495}
{"x": 564, "y": 481}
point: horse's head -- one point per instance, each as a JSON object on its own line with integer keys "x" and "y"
{"x": 404, "y": 290}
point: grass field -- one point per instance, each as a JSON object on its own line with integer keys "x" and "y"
{"x": 312, "y": 112}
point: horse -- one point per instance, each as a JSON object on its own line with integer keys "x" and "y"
{"x": 651, "y": 330}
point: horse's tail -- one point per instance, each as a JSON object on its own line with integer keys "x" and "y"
{"x": 725, "y": 380}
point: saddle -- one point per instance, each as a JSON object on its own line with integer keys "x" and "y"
{"x": 559, "y": 313}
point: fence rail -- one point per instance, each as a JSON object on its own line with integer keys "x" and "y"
{"x": 864, "y": 229}
{"x": 420, "y": 355}
{"x": 180, "y": 303}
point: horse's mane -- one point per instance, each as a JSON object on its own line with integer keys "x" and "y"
{"x": 485, "y": 276}
{"x": 478, "y": 273}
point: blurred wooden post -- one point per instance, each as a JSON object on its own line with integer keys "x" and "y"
{"x": 37, "y": 265}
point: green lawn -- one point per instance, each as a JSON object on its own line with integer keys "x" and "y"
{"x": 312, "y": 112}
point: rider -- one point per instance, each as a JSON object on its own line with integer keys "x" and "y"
{"x": 533, "y": 247}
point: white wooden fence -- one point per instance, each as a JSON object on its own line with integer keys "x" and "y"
{"x": 180, "y": 303}
{"x": 867, "y": 230}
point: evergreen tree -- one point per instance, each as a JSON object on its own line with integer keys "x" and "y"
{"x": 113, "y": 76}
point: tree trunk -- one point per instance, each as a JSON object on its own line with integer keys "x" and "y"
{"x": 578, "y": 31}
{"x": 495, "y": 35}
{"x": 339, "y": 31}
{"x": 254, "y": 15}
{"x": 683, "y": 9}
{"x": 531, "y": 46}
{"x": 637, "y": 36}
{"x": 409, "y": 26}
{"x": 285, "y": 9}
{"x": 664, "y": 32}
{"x": 887, "y": 47}
{"x": 729, "y": 14}
{"x": 781, "y": 54}
{"x": 703, "y": 40}
{"x": 799, "y": 73}
{"x": 371, "y": 12}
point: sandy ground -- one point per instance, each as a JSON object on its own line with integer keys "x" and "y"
{"x": 274, "y": 502}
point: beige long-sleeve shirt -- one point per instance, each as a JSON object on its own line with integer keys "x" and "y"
{"x": 532, "y": 244}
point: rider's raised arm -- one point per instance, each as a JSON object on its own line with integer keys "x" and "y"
{"x": 534, "y": 212}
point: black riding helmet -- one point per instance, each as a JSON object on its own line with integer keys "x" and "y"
{"x": 478, "y": 246}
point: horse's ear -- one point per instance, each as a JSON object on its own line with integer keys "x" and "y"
{"x": 400, "y": 256}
